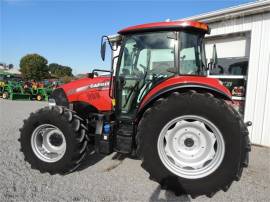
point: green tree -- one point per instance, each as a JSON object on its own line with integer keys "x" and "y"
{"x": 34, "y": 66}
{"x": 66, "y": 79}
{"x": 60, "y": 70}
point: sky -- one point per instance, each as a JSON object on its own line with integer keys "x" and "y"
{"x": 68, "y": 32}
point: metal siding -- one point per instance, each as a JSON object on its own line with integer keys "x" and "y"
{"x": 266, "y": 123}
{"x": 231, "y": 26}
{"x": 263, "y": 84}
{"x": 258, "y": 93}
{"x": 259, "y": 108}
{"x": 255, "y": 45}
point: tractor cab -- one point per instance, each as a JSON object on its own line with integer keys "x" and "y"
{"x": 152, "y": 53}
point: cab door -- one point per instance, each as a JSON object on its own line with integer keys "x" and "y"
{"x": 145, "y": 59}
{"x": 129, "y": 77}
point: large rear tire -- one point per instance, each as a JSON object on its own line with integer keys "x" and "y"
{"x": 53, "y": 140}
{"x": 193, "y": 144}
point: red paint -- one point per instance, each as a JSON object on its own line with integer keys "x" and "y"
{"x": 180, "y": 24}
{"x": 97, "y": 97}
{"x": 178, "y": 80}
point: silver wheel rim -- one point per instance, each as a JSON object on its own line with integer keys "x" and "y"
{"x": 48, "y": 143}
{"x": 191, "y": 147}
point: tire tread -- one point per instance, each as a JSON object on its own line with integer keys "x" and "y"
{"x": 245, "y": 143}
{"x": 75, "y": 122}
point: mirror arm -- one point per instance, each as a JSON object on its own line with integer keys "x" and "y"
{"x": 108, "y": 39}
{"x": 100, "y": 70}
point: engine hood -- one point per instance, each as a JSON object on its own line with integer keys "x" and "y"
{"x": 86, "y": 84}
{"x": 91, "y": 91}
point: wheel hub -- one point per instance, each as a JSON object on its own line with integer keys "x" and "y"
{"x": 56, "y": 139}
{"x": 48, "y": 143}
{"x": 189, "y": 142}
{"x": 186, "y": 146}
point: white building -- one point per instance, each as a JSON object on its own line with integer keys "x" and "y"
{"x": 2, "y": 66}
{"x": 9, "y": 69}
{"x": 242, "y": 33}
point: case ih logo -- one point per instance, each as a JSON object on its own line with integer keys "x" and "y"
{"x": 100, "y": 85}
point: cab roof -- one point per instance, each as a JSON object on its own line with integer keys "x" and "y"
{"x": 166, "y": 26}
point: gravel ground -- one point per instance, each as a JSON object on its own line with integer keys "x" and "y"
{"x": 103, "y": 179}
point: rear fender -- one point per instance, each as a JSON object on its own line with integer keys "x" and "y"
{"x": 220, "y": 92}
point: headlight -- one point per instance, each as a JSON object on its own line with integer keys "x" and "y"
{"x": 59, "y": 97}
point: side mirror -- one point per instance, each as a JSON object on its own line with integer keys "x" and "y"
{"x": 104, "y": 40}
{"x": 214, "y": 60}
{"x": 103, "y": 50}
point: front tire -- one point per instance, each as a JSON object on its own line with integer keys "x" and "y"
{"x": 208, "y": 144}
{"x": 53, "y": 140}
{"x": 5, "y": 95}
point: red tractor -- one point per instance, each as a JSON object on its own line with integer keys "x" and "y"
{"x": 157, "y": 104}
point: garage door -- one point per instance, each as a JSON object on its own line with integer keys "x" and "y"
{"x": 233, "y": 58}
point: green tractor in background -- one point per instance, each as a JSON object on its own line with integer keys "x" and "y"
{"x": 11, "y": 87}
{"x": 24, "y": 91}
{"x": 14, "y": 91}
{"x": 2, "y": 87}
{"x": 14, "y": 88}
{"x": 38, "y": 90}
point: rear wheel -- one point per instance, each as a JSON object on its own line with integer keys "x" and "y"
{"x": 5, "y": 95}
{"x": 39, "y": 97}
{"x": 54, "y": 140}
{"x": 198, "y": 146}
{"x": 191, "y": 146}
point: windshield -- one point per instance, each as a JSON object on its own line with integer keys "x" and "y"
{"x": 146, "y": 59}
{"x": 147, "y": 54}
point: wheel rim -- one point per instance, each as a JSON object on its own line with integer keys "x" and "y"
{"x": 48, "y": 143}
{"x": 4, "y": 95}
{"x": 38, "y": 97}
{"x": 191, "y": 147}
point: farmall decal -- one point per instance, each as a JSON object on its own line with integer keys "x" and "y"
{"x": 100, "y": 86}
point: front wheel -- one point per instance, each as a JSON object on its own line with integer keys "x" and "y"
{"x": 193, "y": 143}
{"x": 5, "y": 95}
{"x": 54, "y": 140}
